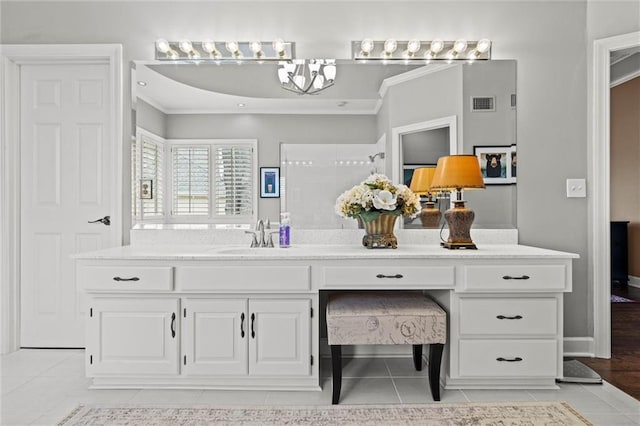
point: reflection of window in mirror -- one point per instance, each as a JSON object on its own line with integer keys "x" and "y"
{"x": 210, "y": 181}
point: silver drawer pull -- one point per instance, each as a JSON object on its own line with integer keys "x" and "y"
{"x": 516, "y": 359}
{"x": 508, "y": 317}
{"x": 389, "y": 276}
{"x": 126, "y": 279}
{"x": 522, "y": 277}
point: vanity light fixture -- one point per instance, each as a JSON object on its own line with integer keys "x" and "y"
{"x": 307, "y": 77}
{"x": 210, "y": 50}
{"x": 436, "y": 49}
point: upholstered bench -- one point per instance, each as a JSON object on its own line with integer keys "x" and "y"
{"x": 386, "y": 318}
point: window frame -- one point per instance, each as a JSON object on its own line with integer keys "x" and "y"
{"x": 137, "y": 214}
{"x": 211, "y": 217}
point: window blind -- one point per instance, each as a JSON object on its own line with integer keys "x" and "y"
{"x": 233, "y": 180}
{"x": 152, "y": 157}
{"x": 190, "y": 181}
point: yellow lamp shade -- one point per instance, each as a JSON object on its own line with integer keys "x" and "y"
{"x": 421, "y": 180}
{"x": 457, "y": 172}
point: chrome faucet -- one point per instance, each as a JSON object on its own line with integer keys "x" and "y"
{"x": 259, "y": 234}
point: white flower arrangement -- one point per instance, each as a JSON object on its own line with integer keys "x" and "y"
{"x": 377, "y": 195}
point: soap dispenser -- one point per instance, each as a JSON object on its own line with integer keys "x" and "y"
{"x": 285, "y": 230}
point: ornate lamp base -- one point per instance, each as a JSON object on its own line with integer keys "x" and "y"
{"x": 430, "y": 216}
{"x": 459, "y": 219}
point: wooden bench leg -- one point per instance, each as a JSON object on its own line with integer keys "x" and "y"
{"x": 417, "y": 357}
{"x": 435, "y": 359}
{"x": 336, "y": 367}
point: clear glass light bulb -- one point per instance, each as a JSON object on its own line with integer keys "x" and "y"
{"x": 460, "y": 45}
{"x": 436, "y": 46}
{"x": 185, "y": 46}
{"x": 279, "y": 45}
{"x": 366, "y": 45}
{"x": 483, "y": 45}
{"x": 162, "y": 45}
{"x": 390, "y": 46}
{"x": 232, "y": 46}
{"x": 256, "y": 46}
{"x": 452, "y": 54}
{"x": 413, "y": 46}
{"x": 208, "y": 45}
{"x": 314, "y": 67}
{"x": 194, "y": 55}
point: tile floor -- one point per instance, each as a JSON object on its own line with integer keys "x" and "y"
{"x": 42, "y": 386}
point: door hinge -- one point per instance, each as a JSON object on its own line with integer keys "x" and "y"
{"x": 90, "y": 312}
{"x": 91, "y": 359}
{"x": 184, "y": 360}
{"x": 311, "y": 312}
{"x": 184, "y": 312}
{"x": 312, "y": 360}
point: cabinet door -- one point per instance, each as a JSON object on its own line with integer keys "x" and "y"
{"x": 280, "y": 337}
{"x": 215, "y": 337}
{"x": 132, "y": 336}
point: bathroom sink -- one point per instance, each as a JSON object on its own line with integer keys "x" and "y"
{"x": 261, "y": 251}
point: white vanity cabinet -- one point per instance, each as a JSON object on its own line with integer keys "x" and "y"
{"x": 132, "y": 336}
{"x": 240, "y": 318}
{"x": 256, "y": 337}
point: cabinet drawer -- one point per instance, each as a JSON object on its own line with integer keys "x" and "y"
{"x": 515, "y": 277}
{"x": 126, "y": 278}
{"x": 508, "y": 358}
{"x": 388, "y": 275}
{"x": 509, "y": 316}
{"x": 238, "y": 278}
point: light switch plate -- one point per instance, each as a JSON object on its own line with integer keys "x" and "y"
{"x": 576, "y": 188}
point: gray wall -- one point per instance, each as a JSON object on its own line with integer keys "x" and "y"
{"x": 552, "y": 81}
{"x": 270, "y": 130}
{"x": 150, "y": 118}
{"x": 425, "y": 147}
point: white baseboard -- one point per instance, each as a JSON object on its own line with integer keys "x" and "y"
{"x": 634, "y": 281}
{"x": 579, "y": 346}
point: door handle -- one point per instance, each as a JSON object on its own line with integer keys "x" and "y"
{"x": 105, "y": 221}
{"x": 253, "y": 332}
{"x": 242, "y": 325}
{"x": 389, "y": 276}
{"x": 522, "y": 277}
{"x": 126, "y": 279}
{"x": 173, "y": 325}
{"x": 515, "y": 359}
{"x": 515, "y": 317}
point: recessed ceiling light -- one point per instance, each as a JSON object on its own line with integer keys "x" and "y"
{"x": 142, "y": 83}
{"x": 241, "y": 105}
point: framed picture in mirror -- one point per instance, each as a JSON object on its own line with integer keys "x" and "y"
{"x": 496, "y": 163}
{"x": 269, "y": 182}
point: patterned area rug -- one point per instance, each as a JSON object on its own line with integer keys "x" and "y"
{"x": 505, "y": 413}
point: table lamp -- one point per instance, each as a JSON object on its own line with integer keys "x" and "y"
{"x": 458, "y": 172}
{"x": 421, "y": 185}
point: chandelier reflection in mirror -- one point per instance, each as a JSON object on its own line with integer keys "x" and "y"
{"x": 307, "y": 77}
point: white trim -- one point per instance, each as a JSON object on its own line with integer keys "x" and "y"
{"x": 624, "y": 79}
{"x": 578, "y": 346}
{"x": 12, "y": 57}
{"x": 411, "y": 75}
{"x": 599, "y": 151}
{"x": 397, "y": 132}
{"x": 634, "y": 281}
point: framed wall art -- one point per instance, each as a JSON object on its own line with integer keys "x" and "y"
{"x": 269, "y": 182}
{"x": 496, "y": 163}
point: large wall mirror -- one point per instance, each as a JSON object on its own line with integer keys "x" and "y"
{"x": 376, "y": 118}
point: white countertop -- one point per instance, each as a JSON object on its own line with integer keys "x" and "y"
{"x": 318, "y": 252}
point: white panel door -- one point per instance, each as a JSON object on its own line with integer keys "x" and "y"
{"x": 133, "y": 336}
{"x": 280, "y": 342}
{"x": 66, "y": 181}
{"x": 215, "y": 334}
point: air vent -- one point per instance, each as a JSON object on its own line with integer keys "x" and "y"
{"x": 483, "y": 103}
